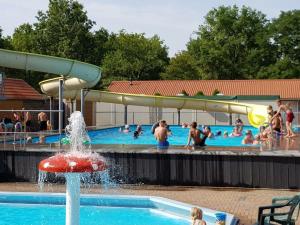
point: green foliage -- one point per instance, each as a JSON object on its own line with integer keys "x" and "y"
{"x": 23, "y": 38}
{"x": 157, "y": 94}
{"x": 231, "y": 44}
{"x": 182, "y": 67}
{"x": 285, "y": 35}
{"x": 199, "y": 93}
{"x": 5, "y": 42}
{"x": 64, "y": 30}
{"x": 184, "y": 93}
{"x": 133, "y": 56}
{"x": 215, "y": 92}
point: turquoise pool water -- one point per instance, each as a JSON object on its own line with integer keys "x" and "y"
{"x": 49, "y": 209}
{"x": 33, "y": 214}
{"x": 178, "y": 137}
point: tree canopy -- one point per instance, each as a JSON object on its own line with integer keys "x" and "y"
{"x": 232, "y": 43}
{"x": 182, "y": 67}
{"x": 133, "y": 56}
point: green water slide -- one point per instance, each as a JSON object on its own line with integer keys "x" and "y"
{"x": 78, "y": 75}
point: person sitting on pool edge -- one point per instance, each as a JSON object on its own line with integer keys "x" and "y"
{"x": 195, "y": 134}
{"x": 161, "y": 135}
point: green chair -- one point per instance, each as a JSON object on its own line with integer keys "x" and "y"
{"x": 284, "y": 210}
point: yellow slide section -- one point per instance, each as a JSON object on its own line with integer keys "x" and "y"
{"x": 78, "y": 75}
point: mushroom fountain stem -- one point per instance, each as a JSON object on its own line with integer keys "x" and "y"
{"x": 72, "y": 198}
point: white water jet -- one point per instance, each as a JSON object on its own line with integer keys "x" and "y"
{"x": 79, "y": 159}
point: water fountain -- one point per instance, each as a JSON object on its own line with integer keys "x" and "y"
{"x": 77, "y": 161}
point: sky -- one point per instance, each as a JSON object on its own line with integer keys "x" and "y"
{"x": 175, "y": 22}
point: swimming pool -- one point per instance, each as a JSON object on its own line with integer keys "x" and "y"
{"x": 49, "y": 209}
{"x": 178, "y": 137}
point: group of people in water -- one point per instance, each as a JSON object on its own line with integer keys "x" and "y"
{"x": 197, "y": 137}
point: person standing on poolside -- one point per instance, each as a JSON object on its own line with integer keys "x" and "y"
{"x": 161, "y": 135}
{"x": 27, "y": 120}
{"x": 42, "y": 118}
{"x": 289, "y": 117}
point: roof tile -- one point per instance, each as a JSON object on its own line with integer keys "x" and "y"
{"x": 285, "y": 88}
{"x": 18, "y": 89}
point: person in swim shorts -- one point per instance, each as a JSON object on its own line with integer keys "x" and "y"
{"x": 195, "y": 134}
{"x": 42, "y": 118}
{"x": 161, "y": 135}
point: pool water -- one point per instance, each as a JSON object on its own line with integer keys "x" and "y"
{"x": 33, "y": 214}
{"x": 17, "y": 208}
{"x": 178, "y": 137}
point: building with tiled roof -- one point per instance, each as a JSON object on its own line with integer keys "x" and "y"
{"x": 285, "y": 88}
{"x": 263, "y": 92}
{"x": 17, "y": 89}
{"x": 16, "y": 94}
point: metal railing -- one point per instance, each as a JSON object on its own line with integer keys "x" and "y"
{"x": 201, "y": 117}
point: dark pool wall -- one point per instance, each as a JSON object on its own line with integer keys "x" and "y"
{"x": 173, "y": 169}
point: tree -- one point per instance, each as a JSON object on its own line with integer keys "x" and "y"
{"x": 64, "y": 30}
{"x": 5, "y": 42}
{"x": 232, "y": 44}
{"x": 133, "y": 56}
{"x": 23, "y": 38}
{"x": 184, "y": 93}
{"x": 285, "y": 36}
{"x": 199, "y": 93}
{"x": 182, "y": 67}
{"x": 215, "y": 92}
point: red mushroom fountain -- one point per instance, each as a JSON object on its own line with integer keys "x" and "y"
{"x": 73, "y": 164}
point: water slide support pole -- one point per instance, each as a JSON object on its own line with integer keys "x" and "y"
{"x": 125, "y": 114}
{"x": 60, "y": 106}
{"x": 178, "y": 116}
{"x": 82, "y": 102}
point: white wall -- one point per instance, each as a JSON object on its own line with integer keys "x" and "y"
{"x": 108, "y": 114}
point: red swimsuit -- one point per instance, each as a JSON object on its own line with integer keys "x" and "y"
{"x": 289, "y": 116}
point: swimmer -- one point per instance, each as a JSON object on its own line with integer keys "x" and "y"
{"x": 135, "y": 134}
{"x": 161, "y": 135}
{"x": 184, "y": 125}
{"x": 207, "y": 132}
{"x": 139, "y": 129}
{"x": 126, "y": 129}
{"x": 248, "y": 139}
{"x": 218, "y": 133}
{"x": 225, "y": 134}
{"x": 236, "y": 132}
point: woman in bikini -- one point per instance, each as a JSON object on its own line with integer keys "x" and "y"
{"x": 289, "y": 117}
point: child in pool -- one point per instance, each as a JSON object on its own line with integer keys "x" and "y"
{"x": 225, "y": 134}
{"x": 197, "y": 215}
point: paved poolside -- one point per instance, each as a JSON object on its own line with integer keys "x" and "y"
{"x": 242, "y": 202}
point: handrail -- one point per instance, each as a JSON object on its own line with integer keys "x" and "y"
{"x": 29, "y": 110}
{"x": 17, "y": 125}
